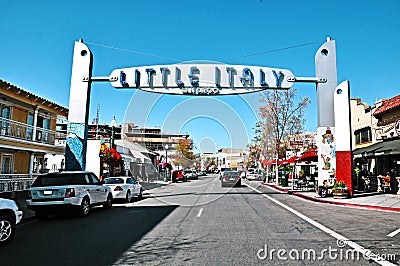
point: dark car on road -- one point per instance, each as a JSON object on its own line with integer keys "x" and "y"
{"x": 230, "y": 178}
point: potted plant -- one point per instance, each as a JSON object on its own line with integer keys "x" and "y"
{"x": 340, "y": 190}
{"x": 301, "y": 173}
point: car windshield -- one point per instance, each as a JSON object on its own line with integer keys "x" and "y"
{"x": 59, "y": 180}
{"x": 231, "y": 173}
{"x": 114, "y": 180}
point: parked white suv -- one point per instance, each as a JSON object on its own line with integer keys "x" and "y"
{"x": 78, "y": 189}
{"x": 10, "y": 215}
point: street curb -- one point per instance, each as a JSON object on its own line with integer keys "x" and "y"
{"x": 346, "y": 204}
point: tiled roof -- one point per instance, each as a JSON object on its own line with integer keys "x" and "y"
{"x": 32, "y": 96}
{"x": 388, "y": 105}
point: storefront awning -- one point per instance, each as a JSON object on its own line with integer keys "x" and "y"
{"x": 308, "y": 157}
{"x": 140, "y": 156}
{"x": 384, "y": 148}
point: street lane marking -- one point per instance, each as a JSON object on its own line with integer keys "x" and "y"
{"x": 200, "y": 212}
{"x": 392, "y": 234}
{"x": 365, "y": 252}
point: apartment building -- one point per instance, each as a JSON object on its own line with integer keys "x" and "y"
{"x": 27, "y": 133}
{"x": 152, "y": 137}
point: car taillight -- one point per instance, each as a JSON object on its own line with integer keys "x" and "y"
{"x": 70, "y": 193}
{"x": 117, "y": 188}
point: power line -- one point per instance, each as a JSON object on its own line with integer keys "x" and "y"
{"x": 179, "y": 60}
{"x": 133, "y": 51}
{"x": 271, "y": 51}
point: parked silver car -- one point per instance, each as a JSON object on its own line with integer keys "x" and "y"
{"x": 10, "y": 215}
{"x": 74, "y": 189}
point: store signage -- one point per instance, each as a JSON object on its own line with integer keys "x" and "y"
{"x": 397, "y": 127}
{"x": 201, "y": 79}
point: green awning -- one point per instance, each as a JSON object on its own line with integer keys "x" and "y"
{"x": 383, "y": 148}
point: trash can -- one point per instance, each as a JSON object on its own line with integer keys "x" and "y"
{"x": 284, "y": 180}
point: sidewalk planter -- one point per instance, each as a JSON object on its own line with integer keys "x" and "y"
{"x": 341, "y": 193}
{"x": 340, "y": 190}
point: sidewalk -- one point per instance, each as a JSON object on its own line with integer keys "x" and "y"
{"x": 374, "y": 200}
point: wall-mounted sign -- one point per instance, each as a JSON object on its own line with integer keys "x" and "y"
{"x": 201, "y": 79}
{"x": 397, "y": 127}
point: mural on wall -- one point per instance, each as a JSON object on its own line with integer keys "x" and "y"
{"x": 75, "y": 147}
{"x": 327, "y": 153}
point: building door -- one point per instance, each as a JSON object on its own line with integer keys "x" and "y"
{"x": 7, "y": 164}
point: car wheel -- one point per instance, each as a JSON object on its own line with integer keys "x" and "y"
{"x": 108, "y": 203}
{"x": 128, "y": 196}
{"x": 84, "y": 208}
{"x": 7, "y": 229}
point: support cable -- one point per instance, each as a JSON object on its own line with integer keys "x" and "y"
{"x": 179, "y": 60}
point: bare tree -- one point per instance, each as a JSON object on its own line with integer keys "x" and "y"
{"x": 259, "y": 147}
{"x": 282, "y": 116}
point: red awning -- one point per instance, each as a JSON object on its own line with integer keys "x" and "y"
{"x": 308, "y": 157}
{"x": 273, "y": 162}
{"x": 290, "y": 160}
{"x": 264, "y": 162}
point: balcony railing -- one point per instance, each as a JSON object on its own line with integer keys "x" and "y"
{"x": 18, "y": 130}
{"x": 15, "y": 182}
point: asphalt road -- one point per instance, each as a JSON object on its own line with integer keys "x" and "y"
{"x": 201, "y": 223}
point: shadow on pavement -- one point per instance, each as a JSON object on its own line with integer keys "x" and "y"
{"x": 99, "y": 239}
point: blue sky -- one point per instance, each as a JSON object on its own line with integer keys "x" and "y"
{"x": 37, "y": 39}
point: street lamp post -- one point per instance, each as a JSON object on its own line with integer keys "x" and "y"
{"x": 113, "y": 124}
{"x": 166, "y": 163}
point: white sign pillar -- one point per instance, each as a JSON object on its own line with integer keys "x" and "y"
{"x": 334, "y": 130}
{"x": 344, "y": 155}
{"x": 75, "y": 152}
{"x": 325, "y": 64}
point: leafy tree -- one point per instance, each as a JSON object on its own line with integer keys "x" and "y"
{"x": 184, "y": 157}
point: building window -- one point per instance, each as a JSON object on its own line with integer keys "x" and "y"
{"x": 29, "y": 130}
{"x": 363, "y": 135}
{"x": 7, "y": 164}
{"x": 5, "y": 116}
{"x": 43, "y": 125}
